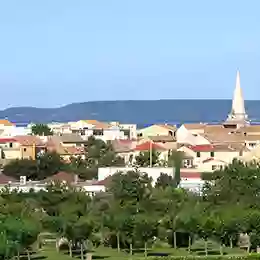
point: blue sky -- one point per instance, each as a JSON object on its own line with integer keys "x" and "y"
{"x": 55, "y": 52}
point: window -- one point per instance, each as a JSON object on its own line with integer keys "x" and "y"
{"x": 11, "y": 145}
{"x": 211, "y": 154}
{"x": 198, "y": 154}
{"x": 24, "y": 149}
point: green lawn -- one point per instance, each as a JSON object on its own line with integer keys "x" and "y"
{"x": 104, "y": 253}
{"x": 50, "y": 253}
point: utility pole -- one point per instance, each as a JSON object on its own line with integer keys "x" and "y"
{"x": 151, "y": 154}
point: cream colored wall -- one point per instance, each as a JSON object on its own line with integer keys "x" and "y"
{"x": 227, "y": 156}
{"x": 12, "y": 154}
{"x": 207, "y": 167}
{"x": 153, "y": 130}
{"x": 223, "y": 156}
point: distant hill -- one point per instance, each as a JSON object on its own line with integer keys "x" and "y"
{"x": 129, "y": 111}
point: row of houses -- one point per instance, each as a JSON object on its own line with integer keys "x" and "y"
{"x": 205, "y": 146}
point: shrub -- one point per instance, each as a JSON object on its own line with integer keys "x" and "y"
{"x": 227, "y": 257}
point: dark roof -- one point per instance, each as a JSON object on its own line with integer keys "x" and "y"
{"x": 71, "y": 138}
{"x": 163, "y": 138}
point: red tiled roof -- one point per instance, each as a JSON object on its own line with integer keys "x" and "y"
{"x": 202, "y": 148}
{"x": 146, "y": 146}
{"x": 190, "y": 175}
{"x": 7, "y": 140}
{"x": 29, "y": 140}
{"x": 6, "y": 179}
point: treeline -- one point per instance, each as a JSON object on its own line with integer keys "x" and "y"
{"x": 134, "y": 214}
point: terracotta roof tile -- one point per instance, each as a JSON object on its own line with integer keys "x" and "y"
{"x": 190, "y": 175}
{"x": 122, "y": 146}
{"x": 29, "y": 140}
{"x": 197, "y": 126}
{"x": 5, "y": 122}
{"x": 146, "y": 146}
{"x": 218, "y": 148}
{"x": 7, "y": 140}
{"x": 251, "y": 129}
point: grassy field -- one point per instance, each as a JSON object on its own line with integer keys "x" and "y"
{"x": 50, "y": 253}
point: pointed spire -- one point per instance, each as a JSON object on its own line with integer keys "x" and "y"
{"x": 238, "y": 104}
{"x": 238, "y": 112}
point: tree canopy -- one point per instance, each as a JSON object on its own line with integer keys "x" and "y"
{"x": 41, "y": 129}
{"x": 134, "y": 214}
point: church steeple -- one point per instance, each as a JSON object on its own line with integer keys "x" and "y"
{"x": 238, "y": 103}
{"x": 238, "y": 114}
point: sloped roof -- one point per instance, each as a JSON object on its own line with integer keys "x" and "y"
{"x": 169, "y": 127}
{"x": 162, "y": 138}
{"x": 122, "y": 146}
{"x": 195, "y": 126}
{"x": 5, "y": 122}
{"x": 29, "y": 140}
{"x": 218, "y": 148}
{"x": 7, "y": 140}
{"x": 146, "y": 146}
{"x": 71, "y": 138}
{"x": 190, "y": 175}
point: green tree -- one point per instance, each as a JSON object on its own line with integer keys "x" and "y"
{"x": 164, "y": 181}
{"x": 41, "y": 129}
{"x": 143, "y": 159}
{"x": 46, "y": 165}
{"x": 21, "y": 167}
{"x": 176, "y": 160}
{"x": 101, "y": 154}
{"x": 236, "y": 183}
{"x": 145, "y": 229}
{"x": 173, "y": 203}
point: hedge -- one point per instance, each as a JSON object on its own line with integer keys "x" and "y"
{"x": 227, "y": 257}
